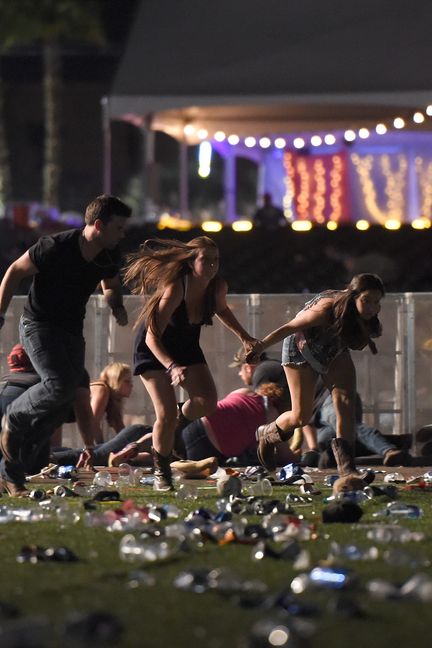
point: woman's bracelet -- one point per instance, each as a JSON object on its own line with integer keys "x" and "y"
{"x": 172, "y": 366}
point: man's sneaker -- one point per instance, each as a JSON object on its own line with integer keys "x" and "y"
{"x": 310, "y": 458}
{"x": 426, "y": 450}
{"x": 424, "y": 434}
{"x": 326, "y": 459}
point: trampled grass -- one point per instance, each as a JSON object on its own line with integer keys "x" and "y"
{"x": 161, "y": 615}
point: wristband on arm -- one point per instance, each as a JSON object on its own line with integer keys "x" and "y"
{"x": 172, "y": 366}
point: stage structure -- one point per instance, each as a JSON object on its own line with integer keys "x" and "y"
{"x": 382, "y": 179}
{"x": 264, "y": 76}
{"x": 394, "y": 384}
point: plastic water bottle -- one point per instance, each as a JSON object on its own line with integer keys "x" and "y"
{"x": 103, "y": 478}
{"x": 405, "y": 510}
{"x": 353, "y": 552}
{"x": 123, "y": 476}
{"x": 399, "y": 509}
{"x": 386, "y": 533}
{"x": 261, "y": 487}
{"x": 152, "y": 551}
{"x": 187, "y": 492}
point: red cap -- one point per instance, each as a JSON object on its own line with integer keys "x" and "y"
{"x": 18, "y": 359}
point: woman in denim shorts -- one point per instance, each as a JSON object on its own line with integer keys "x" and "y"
{"x": 317, "y": 343}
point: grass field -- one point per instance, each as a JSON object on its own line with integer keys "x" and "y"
{"x": 48, "y": 594}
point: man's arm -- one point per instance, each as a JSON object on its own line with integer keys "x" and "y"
{"x": 112, "y": 290}
{"x": 87, "y": 426}
{"x": 17, "y": 271}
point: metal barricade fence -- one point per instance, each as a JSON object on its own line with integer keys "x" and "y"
{"x": 394, "y": 385}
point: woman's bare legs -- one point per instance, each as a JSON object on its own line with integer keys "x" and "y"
{"x": 163, "y": 397}
{"x": 202, "y": 401}
{"x": 201, "y": 389}
{"x": 302, "y": 383}
{"x": 341, "y": 382}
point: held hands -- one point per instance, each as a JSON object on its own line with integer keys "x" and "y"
{"x": 254, "y": 351}
{"x": 86, "y": 459}
{"x": 120, "y": 315}
{"x": 177, "y": 374}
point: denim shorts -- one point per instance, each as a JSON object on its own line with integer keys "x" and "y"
{"x": 319, "y": 358}
{"x": 290, "y": 352}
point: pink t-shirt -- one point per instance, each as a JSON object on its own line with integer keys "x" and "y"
{"x": 235, "y": 421}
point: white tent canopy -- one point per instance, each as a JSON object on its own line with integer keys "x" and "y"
{"x": 273, "y": 65}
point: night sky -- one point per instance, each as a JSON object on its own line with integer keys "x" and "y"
{"x": 87, "y": 73}
{"x": 80, "y": 62}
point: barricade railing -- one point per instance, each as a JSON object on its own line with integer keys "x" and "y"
{"x": 395, "y": 385}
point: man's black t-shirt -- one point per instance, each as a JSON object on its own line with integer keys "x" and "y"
{"x": 65, "y": 280}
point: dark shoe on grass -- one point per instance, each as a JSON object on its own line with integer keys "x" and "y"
{"x": 426, "y": 450}
{"x": 326, "y": 459}
{"x": 310, "y": 458}
{"x": 424, "y": 434}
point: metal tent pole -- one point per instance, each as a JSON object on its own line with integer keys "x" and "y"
{"x": 106, "y": 153}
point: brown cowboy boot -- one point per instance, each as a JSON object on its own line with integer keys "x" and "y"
{"x": 13, "y": 489}
{"x": 349, "y": 477}
{"x": 10, "y": 449}
{"x": 162, "y": 472}
{"x": 267, "y": 437}
{"x": 179, "y": 449}
{"x": 9, "y": 446}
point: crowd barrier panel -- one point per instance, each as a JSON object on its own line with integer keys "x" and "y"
{"x": 395, "y": 384}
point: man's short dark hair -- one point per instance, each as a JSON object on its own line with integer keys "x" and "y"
{"x": 104, "y": 208}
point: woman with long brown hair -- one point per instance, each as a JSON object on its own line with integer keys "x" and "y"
{"x": 185, "y": 291}
{"x": 317, "y": 343}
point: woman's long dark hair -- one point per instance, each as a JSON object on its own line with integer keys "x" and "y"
{"x": 160, "y": 262}
{"x": 355, "y": 332}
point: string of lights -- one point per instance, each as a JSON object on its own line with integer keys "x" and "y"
{"x": 310, "y": 190}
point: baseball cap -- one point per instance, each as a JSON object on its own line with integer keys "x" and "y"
{"x": 18, "y": 359}
{"x": 239, "y": 358}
